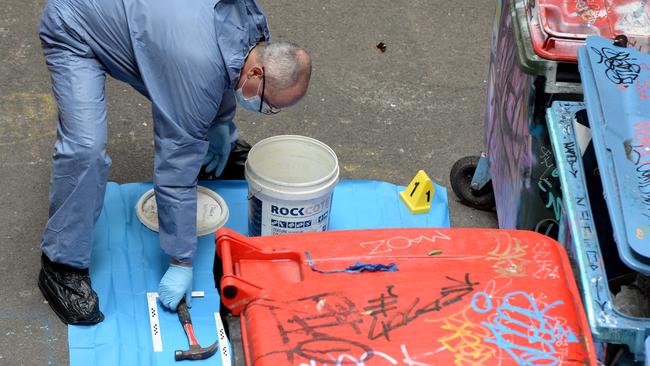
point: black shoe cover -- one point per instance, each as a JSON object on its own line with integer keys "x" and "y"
{"x": 69, "y": 293}
{"x": 234, "y": 169}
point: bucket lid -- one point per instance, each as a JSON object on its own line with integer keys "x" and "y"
{"x": 211, "y": 211}
{"x": 292, "y": 164}
{"x": 559, "y": 27}
{"x": 615, "y": 82}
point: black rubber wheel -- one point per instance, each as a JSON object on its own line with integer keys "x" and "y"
{"x": 461, "y": 180}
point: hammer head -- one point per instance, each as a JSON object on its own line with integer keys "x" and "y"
{"x": 196, "y": 352}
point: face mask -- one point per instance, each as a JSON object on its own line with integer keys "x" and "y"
{"x": 253, "y": 103}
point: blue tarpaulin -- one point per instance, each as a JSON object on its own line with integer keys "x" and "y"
{"x": 127, "y": 263}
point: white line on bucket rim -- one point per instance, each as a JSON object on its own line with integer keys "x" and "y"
{"x": 335, "y": 171}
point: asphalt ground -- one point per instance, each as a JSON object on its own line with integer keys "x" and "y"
{"x": 418, "y": 105}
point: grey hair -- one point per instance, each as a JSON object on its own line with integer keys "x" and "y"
{"x": 284, "y": 65}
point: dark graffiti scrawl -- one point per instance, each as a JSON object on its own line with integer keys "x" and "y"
{"x": 386, "y": 317}
{"x": 313, "y": 335}
{"x": 621, "y": 68}
{"x": 313, "y": 328}
{"x": 639, "y": 155}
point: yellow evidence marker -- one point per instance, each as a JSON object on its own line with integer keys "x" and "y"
{"x": 419, "y": 193}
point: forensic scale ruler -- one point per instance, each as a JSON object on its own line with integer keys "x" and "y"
{"x": 156, "y": 334}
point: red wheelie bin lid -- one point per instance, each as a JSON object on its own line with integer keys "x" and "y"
{"x": 442, "y": 297}
{"x": 559, "y": 27}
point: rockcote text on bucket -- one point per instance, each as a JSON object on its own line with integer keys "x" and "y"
{"x": 291, "y": 180}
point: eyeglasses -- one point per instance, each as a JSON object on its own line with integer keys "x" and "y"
{"x": 265, "y": 108}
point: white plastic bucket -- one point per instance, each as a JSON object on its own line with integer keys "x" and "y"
{"x": 291, "y": 180}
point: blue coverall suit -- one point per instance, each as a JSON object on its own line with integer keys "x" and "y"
{"x": 186, "y": 57}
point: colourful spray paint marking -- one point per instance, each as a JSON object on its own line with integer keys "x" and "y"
{"x": 522, "y": 329}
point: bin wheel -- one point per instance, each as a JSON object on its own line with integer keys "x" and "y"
{"x": 461, "y": 180}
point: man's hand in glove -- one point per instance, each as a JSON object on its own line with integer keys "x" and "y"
{"x": 219, "y": 149}
{"x": 176, "y": 284}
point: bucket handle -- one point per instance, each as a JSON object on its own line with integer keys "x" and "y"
{"x": 250, "y": 195}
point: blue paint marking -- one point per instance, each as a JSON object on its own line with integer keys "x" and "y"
{"x": 527, "y": 333}
{"x": 486, "y": 299}
{"x": 357, "y": 267}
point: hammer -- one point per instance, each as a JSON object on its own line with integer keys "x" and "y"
{"x": 195, "y": 352}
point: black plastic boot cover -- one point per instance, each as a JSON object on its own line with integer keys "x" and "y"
{"x": 69, "y": 293}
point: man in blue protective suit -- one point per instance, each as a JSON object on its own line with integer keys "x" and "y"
{"x": 192, "y": 60}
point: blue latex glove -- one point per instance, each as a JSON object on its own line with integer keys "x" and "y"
{"x": 219, "y": 149}
{"x": 176, "y": 283}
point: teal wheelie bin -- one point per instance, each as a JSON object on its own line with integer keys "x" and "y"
{"x": 602, "y": 147}
{"x": 533, "y": 63}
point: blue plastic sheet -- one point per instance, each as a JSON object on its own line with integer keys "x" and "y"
{"x": 127, "y": 262}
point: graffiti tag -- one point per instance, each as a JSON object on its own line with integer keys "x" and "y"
{"x": 510, "y": 257}
{"x": 621, "y": 69}
{"x": 401, "y": 242}
{"x": 527, "y": 333}
{"x": 386, "y": 318}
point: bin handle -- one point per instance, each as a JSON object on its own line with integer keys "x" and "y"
{"x": 621, "y": 41}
